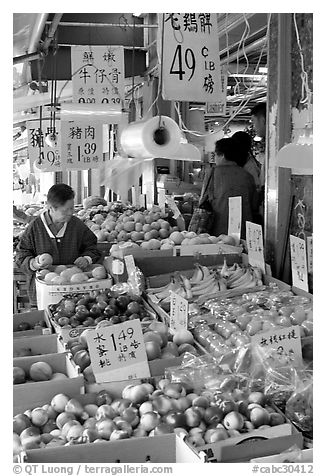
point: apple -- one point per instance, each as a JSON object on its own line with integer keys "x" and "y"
{"x": 91, "y": 409}
{"x": 122, "y": 424}
{"x": 146, "y": 407}
{"x": 196, "y": 440}
{"x": 89, "y": 435}
{"x": 227, "y": 406}
{"x": 162, "y": 404}
{"x": 139, "y": 432}
{"x": 149, "y": 420}
{"x": 248, "y": 425}
{"x": 259, "y": 417}
{"x": 175, "y": 419}
{"x": 233, "y": 421}
{"x": 130, "y": 415}
{"x": 30, "y": 438}
{"x": 175, "y": 390}
{"x": 163, "y": 383}
{"x": 75, "y": 432}
{"x": 105, "y": 411}
{"x": 19, "y": 375}
{"x": 66, "y": 427}
{"x": 276, "y": 419}
{"x": 171, "y": 348}
{"x": 120, "y": 405}
{"x": 193, "y": 417}
{"x": 75, "y": 407}
{"x": 90, "y": 423}
{"x": 138, "y": 394}
{"x": 257, "y": 397}
{"x": 103, "y": 397}
{"x": 153, "y": 349}
{"x": 21, "y": 422}
{"x": 233, "y": 433}
{"x": 39, "y": 417}
{"x": 215, "y": 434}
{"x": 182, "y": 403}
{"x": 119, "y": 435}
{"x": 200, "y": 402}
{"x": 105, "y": 428}
{"x": 163, "y": 429}
{"x": 63, "y": 418}
{"x": 213, "y": 415}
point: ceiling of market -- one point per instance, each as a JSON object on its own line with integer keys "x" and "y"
{"x": 242, "y": 41}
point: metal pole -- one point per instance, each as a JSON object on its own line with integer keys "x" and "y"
{"x": 104, "y": 25}
{"x": 27, "y": 58}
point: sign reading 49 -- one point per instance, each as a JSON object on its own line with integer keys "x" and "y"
{"x": 189, "y": 47}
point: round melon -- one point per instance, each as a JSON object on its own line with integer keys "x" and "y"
{"x": 40, "y": 371}
{"x": 67, "y": 273}
{"x": 78, "y": 278}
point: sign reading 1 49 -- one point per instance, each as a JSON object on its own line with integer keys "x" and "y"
{"x": 190, "y": 57}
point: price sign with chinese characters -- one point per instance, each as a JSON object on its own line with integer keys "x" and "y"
{"x": 255, "y": 245}
{"x": 190, "y": 56}
{"x": 41, "y": 155}
{"x": 178, "y": 312}
{"x": 219, "y": 107}
{"x": 173, "y": 206}
{"x": 299, "y": 263}
{"x": 118, "y": 352}
{"x": 281, "y": 347}
{"x": 235, "y": 217}
{"x": 98, "y": 75}
{"x": 82, "y": 144}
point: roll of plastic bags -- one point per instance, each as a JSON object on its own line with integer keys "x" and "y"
{"x": 159, "y": 136}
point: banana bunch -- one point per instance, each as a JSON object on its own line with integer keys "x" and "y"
{"x": 204, "y": 282}
{"x": 238, "y": 277}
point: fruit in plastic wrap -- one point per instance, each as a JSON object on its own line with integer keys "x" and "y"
{"x": 299, "y": 407}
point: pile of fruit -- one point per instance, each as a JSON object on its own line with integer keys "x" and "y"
{"x": 206, "y": 282}
{"x": 143, "y": 410}
{"x": 90, "y": 309}
{"x": 38, "y": 372}
{"x": 70, "y": 274}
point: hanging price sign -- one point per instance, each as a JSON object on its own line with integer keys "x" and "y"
{"x": 161, "y": 200}
{"x": 219, "y": 107}
{"x": 173, "y": 206}
{"x": 82, "y": 144}
{"x": 255, "y": 245}
{"x": 189, "y": 46}
{"x": 178, "y": 312}
{"x": 282, "y": 346}
{"x": 98, "y": 75}
{"x": 235, "y": 217}
{"x": 299, "y": 263}
{"x": 118, "y": 352}
{"x": 41, "y": 155}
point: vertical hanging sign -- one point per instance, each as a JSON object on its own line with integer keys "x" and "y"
{"x": 82, "y": 144}
{"x": 98, "y": 75}
{"x": 299, "y": 263}
{"x": 190, "y": 57}
{"x": 41, "y": 155}
{"x": 219, "y": 107}
{"x": 255, "y": 245}
{"x": 235, "y": 218}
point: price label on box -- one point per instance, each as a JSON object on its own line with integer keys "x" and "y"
{"x": 255, "y": 245}
{"x": 281, "y": 346}
{"x": 178, "y": 312}
{"x": 299, "y": 263}
{"x": 130, "y": 264}
{"x": 118, "y": 352}
{"x": 118, "y": 267}
{"x": 235, "y": 217}
{"x": 171, "y": 203}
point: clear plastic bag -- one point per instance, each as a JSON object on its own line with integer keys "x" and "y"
{"x": 299, "y": 407}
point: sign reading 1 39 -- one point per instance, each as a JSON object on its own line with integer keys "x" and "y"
{"x": 190, "y": 63}
{"x": 82, "y": 144}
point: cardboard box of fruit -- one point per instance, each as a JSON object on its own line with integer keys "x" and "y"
{"x": 54, "y": 282}
{"x": 75, "y": 312}
{"x": 32, "y": 323}
{"x": 39, "y": 376}
{"x": 37, "y": 345}
{"x": 226, "y": 429}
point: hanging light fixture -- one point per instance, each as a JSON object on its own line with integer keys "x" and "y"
{"x": 298, "y": 156}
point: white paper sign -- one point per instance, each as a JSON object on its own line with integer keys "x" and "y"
{"x": 161, "y": 199}
{"x": 190, "y": 56}
{"x": 282, "y": 345}
{"x": 173, "y": 206}
{"x": 178, "y": 312}
{"x": 82, "y": 144}
{"x": 142, "y": 200}
{"x": 309, "y": 254}
{"x": 235, "y": 218}
{"x": 118, "y": 352}
{"x": 41, "y": 155}
{"x": 130, "y": 264}
{"x": 299, "y": 263}
{"x": 117, "y": 267}
{"x": 98, "y": 75}
{"x": 255, "y": 245}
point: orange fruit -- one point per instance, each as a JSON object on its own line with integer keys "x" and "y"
{"x": 119, "y": 227}
{"x": 147, "y": 236}
{"x": 122, "y": 236}
{"x": 164, "y": 233}
{"x": 129, "y": 226}
{"x": 147, "y": 227}
{"x": 154, "y": 234}
{"x": 155, "y": 225}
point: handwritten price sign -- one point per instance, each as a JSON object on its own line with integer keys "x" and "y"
{"x": 178, "y": 312}
{"x": 255, "y": 245}
{"x": 282, "y": 346}
{"x": 299, "y": 263}
{"x": 118, "y": 352}
{"x": 44, "y": 157}
{"x": 235, "y": 217}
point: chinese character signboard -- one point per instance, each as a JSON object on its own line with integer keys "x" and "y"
{"x": 41, "y": 155}
{"x": 281, "y": 346}
{"x": 190, "y": 57}
{"x": 118, "y": 352}
{"x": 219, "y": 107}
{"x": 235, "y": 217}
{"x": 254, "y": 239}
{"x": 299, "y": 263}
{"x": 178, "y": 312}
{"x": 82, "y": 144}
{"x": 98, "y": 75}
